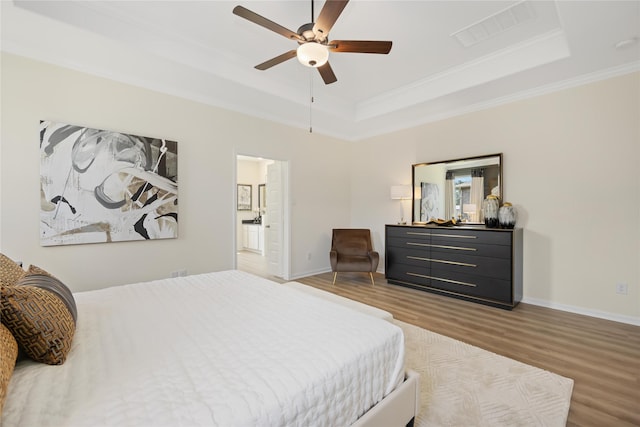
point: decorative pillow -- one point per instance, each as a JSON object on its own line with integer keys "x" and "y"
{"x": 39, "y": 278}
{"x": 39, "y": 320}
{"x": 10, "y": 271}
{"x": 8, "y": 356}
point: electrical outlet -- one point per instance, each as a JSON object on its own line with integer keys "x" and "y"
{"x": 622, "y": 288}
{"x": 308, "y": 256}
{"x": 179, "y": 273}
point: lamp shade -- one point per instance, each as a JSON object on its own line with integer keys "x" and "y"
{"x": 469, "y": 208}
{"x": 313, "y": 54}
{"x": 401, "y": 192}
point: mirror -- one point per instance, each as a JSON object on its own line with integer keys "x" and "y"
{"x": 455, "y": 188}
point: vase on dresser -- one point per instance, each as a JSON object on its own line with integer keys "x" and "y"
{"x": 507, "y": 216}
{"x": 490, "y": 207}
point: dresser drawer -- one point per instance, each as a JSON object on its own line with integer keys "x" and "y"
{"x": 409, "y": 256}
{"x": 459, "y": 241}
{"x": 403, "y": 242}
{"x": 458, "y": 236}
{"x": 469, "y": 248}
{"x": 477, "y": 286}
{"x": 414, "y": 233}
{"x": 409, "y": 274}
{"x": 499, "y": 268}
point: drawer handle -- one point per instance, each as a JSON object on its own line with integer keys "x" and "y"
{"x": 418, "y": 244}
{"x": 418, "y": 258}
{"x": 418, "y": 234}
{"x": 459, "y": 248}
{"x": 454, "y": 281}
{"x": 455, "y": 236}
{"x": 464, "y": 264}
{"x": 441, "y": 279}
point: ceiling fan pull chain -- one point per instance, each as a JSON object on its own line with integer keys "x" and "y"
{"x": 311, "y": 100}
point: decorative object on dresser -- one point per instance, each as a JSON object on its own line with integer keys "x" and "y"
{"x": 507, "y": 216}
{"x": 474, "y": 263}
{"x": 490, "y": 207}
{"x": 401, "y": 192}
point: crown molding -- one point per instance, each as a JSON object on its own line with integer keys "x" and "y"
{"x": 399, "y": 124}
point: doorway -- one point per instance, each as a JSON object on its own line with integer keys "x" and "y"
{"x": 262, "y": 221}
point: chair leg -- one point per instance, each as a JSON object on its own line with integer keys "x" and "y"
{"x": 334, "y": 277}
{"x": 373, "y": 283}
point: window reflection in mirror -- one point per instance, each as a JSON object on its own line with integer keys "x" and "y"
{"x": 455, "y": 188}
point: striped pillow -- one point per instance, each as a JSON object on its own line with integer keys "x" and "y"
{"x": 39, "y": 320}
{"x": 39, "y": 278}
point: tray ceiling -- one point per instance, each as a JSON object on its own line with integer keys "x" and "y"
{"x": 448, "y": 57}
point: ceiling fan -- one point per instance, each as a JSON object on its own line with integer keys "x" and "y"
{"x": 313, "y": 39}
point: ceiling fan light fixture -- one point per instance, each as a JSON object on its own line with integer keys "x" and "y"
{"x": 312, "y": 54}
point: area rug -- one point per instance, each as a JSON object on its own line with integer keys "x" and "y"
{"x": 463, "y": 385}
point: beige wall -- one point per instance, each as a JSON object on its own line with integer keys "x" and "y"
{"x": 571, "y": 167}
{"x": 208, "y": 141}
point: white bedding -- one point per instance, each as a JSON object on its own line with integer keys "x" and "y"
{"x": 219, "y": 349}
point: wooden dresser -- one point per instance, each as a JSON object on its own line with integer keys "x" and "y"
{"x": 474, "y": 263}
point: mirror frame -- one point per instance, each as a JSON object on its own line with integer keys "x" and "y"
{"x": 262, "y": 196}
{"x": 470, "y": 159}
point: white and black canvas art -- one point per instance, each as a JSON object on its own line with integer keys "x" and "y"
{"x": 105, "y": 186}
{"x": 429, "y": 201}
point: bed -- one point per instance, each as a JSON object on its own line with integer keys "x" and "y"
{"x": 217, "y": 349}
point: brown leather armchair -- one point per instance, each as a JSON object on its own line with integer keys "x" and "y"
{"x": 351, "y": 251}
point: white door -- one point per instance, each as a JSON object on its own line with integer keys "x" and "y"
{"x": 274, "y": 229}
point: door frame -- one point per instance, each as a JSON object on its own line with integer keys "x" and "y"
{"x": 286, "y": 211}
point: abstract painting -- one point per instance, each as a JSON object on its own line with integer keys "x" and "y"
{"x": 429, "y": 201}
{"x": 105, "y": 186}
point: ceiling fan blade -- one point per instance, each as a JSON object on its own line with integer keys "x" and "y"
{"x": 266, "y": 23}
{"x": 277, "y": 60}
{"x": 360, "y": 46}
{"x": 327, "y": 74}
{"x": 328, "y": 16}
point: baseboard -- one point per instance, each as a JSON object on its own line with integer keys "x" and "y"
{"x": 309, "y": 273}
{"x": 631, "y": 320}
{"x": 320, "y": 271}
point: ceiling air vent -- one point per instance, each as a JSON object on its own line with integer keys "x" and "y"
{"x": 495, "y": 24}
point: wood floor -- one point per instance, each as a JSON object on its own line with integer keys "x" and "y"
{"x": 254, "y": 263}
{"x": 601, "y": 356}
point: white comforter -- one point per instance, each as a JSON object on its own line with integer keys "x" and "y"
{"x": 220, "y": 349}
